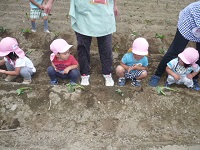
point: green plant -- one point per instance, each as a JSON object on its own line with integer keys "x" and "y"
{"x": 22, "y": 90}
{"x": 29, "y": 52}
{"x": 159, "y": 36}
{"x": 116, "y": 49}
{"x": 73, "y": 87}
{"x": 25, "y": 31}
{"x": 3, "y": 30}
{"x": 160, "y": 90}
{"x": 119, "y": 92}
{"x": 134, "y": 33}
{"x": 162, "y": 51}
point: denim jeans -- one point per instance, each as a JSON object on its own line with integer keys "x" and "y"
{"x": 73, "y": 74}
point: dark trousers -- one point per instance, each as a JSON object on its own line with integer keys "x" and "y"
{"x": 105, "y": 52}
{"x": 73, "y": 74}
{"x": 178, "y": 45}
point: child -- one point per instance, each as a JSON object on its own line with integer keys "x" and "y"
{"x": 182, "y": 69}
{"x": 15, "y": 60}
{"x": 133, "y": 65}
{"x": 36, "y": 12}
{"x": 64, "y": 65}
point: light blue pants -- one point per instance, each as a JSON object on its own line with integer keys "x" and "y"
{"x": 25, "y": 72}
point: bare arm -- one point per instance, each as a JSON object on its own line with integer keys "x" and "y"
{"x": 115, "y": 8}
{"x": 16, "y": 72}
{"x": 66, "y": 70}
{"x": 36, "y": 4}
{"x": 174, "y": 75}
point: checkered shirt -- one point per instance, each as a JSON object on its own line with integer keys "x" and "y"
{"x": 189, "y": 18}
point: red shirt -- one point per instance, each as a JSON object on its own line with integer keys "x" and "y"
{"x": 62, "y": 64}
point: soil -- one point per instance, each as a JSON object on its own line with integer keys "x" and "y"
{"x": 49, "y": 117}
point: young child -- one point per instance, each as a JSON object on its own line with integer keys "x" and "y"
{"x": 15, "y": 60}
{"x": 36, "y": 12}
{"x": 133, "y": 65}
{"x": 64, "y": 65}
{"x": 182, "y": 69}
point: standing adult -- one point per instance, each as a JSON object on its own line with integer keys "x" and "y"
{"x": 188, "y": 30}
{"x": 93, "y": 18}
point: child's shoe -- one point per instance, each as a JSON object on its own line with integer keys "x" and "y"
{"x": 154, "y": 81}
{"x": 167, "y": 84}
{"x": 121, "y": 81}
{"x": 54, "y": 82}
{"x": 26, "y": 81}
{"x": 10, "y": 78}
{"x": 135, "y": 82}
{"x": 85, "y": 80}
{"x": 108, "y": 79}
{"x": 47, "y": 31}
{"x": 196, "y": 85}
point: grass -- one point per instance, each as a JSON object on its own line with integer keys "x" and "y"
{"x": 3, "y": 30}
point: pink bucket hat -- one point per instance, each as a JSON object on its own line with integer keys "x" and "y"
{"x": 8, "y": 45}
{"x": 140, "y": 46}
{"x": 59, "y": 46}
{"x": 189, "y": 56}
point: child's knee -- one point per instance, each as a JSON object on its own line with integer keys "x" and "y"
{"x": 120, "y": 69}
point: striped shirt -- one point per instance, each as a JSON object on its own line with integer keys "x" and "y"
{"x": 189, "y": 20}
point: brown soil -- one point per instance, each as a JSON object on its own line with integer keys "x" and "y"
{"x": 96, "y": 117}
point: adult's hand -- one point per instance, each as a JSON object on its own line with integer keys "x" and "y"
{"x": 47, "y": 8}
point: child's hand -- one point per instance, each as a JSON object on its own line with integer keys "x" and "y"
{"x": 190, "y": 76}
{"x": 2, "y": 71}
{"x": 66, "y": 70}
{"x": 40, "y": 6}
{"x": 176, "y": 77}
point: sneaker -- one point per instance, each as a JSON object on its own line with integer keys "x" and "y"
{"x": 72, "y": 83}
{"x": 85, "y": 79}
{"x": 109, "y": 80}
{"x": 33, "y": 31}
{"x": 196, "y": 85}
{"x": 167, "y": 84}
{"x": 47, "y": 31}
{"x": 121, "y": 81}
{"x": 26, "y": 81}
{"x": 10, "y": 78}
{"x": 136, "y": 83}
{"x": 154, "y": 81}
{"x": 54, "y": 82}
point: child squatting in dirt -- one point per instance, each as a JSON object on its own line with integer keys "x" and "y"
{"x": 15, "y": 60}
{"x": 133, "y": 65}
{"x": 64, "y": 65}
{"x": 36, "y": 11}
{"x": 182, "y": 69}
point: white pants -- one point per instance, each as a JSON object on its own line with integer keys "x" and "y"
{"x": 183, "y": 80}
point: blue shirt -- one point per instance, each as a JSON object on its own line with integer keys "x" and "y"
{"x": 129, "y": 60}
{"x": 37, "y": 1}
{"x": 92, "y": 19}
{"x": 189, "y": 18}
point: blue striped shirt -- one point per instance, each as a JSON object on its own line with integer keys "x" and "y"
{"x": 189, "y": 18}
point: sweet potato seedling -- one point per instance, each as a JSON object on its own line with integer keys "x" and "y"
{"x": 160, "y": 90}
{"x": 3, "y": 30}
{"x": 25, "y": 31}
{"x": 159, "y": 36}
{"x": 118, "y": 91}
{"x": 73, "y": 87}
{"x": 22, "y": 90}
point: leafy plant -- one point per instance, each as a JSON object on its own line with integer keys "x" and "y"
{"x": 117, "y": 49}
{"x": 160, "y": 89}
{"x": 29, "y": 52}
{"x": 25, "y": 31}
{"x": 159, "y": 36}
{"x": 23, "y": 89}
{"x": 3, "y": 30}
{"x": 162, "y": 51}
{"x": 134, "y": 33}
{"x": 119, "y": 92}
{"x": 72, "y": 87}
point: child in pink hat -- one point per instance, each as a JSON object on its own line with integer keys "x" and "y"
{"x": 64, "y": 65}
{"x": 182, "y": 69}
{"x": 15, "y": 60}
{"x": 134, "y": 65}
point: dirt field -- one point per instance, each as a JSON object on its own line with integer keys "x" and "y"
{"x": 96, "y": 117}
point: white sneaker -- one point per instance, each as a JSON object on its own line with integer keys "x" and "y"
{"x": 109, "y": 80}
{"x": 85, "y": 80}
{"x": 33, "y": 30}
{"x": 10, "y": 78}
{"x": 26, "y": 81}
{"x": 47, "y": 31}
